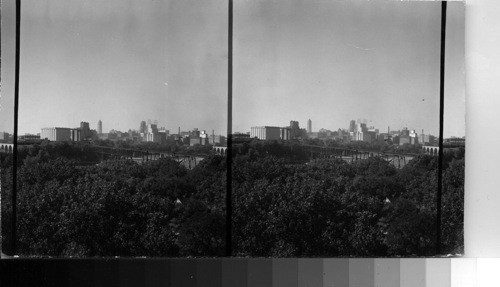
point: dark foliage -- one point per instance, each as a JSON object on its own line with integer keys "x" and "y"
{"x": 281, "y": 206}
{"x": 332, "y": 208}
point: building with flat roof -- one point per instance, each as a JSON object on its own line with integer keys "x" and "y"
{"x": 56, "y": 134}
{"x": 265, "y": 133}
{"x": 4, "y": 136}
{"x": 217, "y": 140}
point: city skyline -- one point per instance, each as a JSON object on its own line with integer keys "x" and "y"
{"x": 341, "y": 60}
{"x": 116, "y": 61}
{"x": 100, "y": 130}
{"x": 347, "y": 127}
{"x": 310, "y": 132}
{"x": 334, "y": 60}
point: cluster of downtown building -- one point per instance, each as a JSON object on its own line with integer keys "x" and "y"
{"x": 5, "y": 137}
{"x": 148, "y": 132}
{"x": 357, "y": 131}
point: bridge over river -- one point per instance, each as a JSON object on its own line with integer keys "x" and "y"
{"x": 137, "y": 155}
{"x": 6, "y": 147}
{"x": 397, "y": 159}
{"x": 348, "y": 154}
{"x": 141, "y": 156}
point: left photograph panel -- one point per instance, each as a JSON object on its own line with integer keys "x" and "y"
{"x": 122, "y": 124}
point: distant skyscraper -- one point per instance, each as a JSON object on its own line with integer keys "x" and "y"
{"x": 360, "y": 127}
{"x": 84, "y": 125}
{"x": 352, "y": 126}
{"x": 309, "y": 126}
{"x": 294, "y": 129}
{"x": 143, "y": 127}
{"x": 405, "y": 132}
{"x": 85, "y": 130}
{"x": 99, "y": 127}
{"x": 152, "y": 134}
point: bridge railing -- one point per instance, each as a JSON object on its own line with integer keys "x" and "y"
{"x": 354, "y": 151}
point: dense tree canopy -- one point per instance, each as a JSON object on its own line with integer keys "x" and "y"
{"x": 332, "y": 208}
{"x": 283, "y": 204}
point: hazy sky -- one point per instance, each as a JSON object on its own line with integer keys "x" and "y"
{"x": 123, "y": 61}
{"x": 333, "y": 61}
{"x": 119, "y": 61}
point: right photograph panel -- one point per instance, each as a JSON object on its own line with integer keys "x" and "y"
{"x": 337, "y": 124}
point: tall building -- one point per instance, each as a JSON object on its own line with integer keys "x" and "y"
{"x": 195, "y": 133}
{"x": 99, "y": 127}
{"x": 360, "y": 131}
{"x": 151, "y": 134}
{"x": 142, "y": 128}
{"x": 352, "y": 126}
{"x": 309, "y": 126}
{"x": 413, "y": 137}
{"x": 405, "y": 132}
{"x": 85, "y": 132}
{"x": 361, "y": 127}
{"x": 294, "y": 130}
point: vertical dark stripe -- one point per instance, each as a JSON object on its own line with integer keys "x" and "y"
{"x": 16, "y": 110}
{"x": 229, "y": 207}
{"x": 441, "y": 124}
